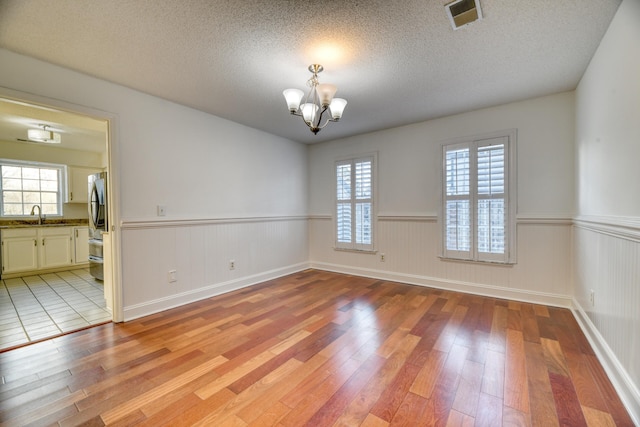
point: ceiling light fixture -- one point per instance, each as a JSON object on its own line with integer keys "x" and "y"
{"x": 44, "y": 135}
{"x": 318, "y": 100}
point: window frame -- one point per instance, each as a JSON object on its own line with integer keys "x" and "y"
{"x": 353, "y": 245}
{"x": 474, "y": 143}
{"x": 62, "y": 185}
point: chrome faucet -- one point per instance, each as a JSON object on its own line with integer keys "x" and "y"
{"x": 33, "y": 209}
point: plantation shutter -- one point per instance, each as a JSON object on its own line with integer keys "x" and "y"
{"x": 491, "y": 201}
{"x": 477, "y": 223}
{"x": 458, "y": 213}
{"x": 354, "y": 204}
{"x": 343, "y": 211}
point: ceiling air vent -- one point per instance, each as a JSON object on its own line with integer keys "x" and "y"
{"x": 463, "y": 12}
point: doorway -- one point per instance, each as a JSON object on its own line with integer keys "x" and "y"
{"x": 38, "y": 297}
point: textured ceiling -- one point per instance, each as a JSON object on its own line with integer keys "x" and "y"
{"x": 396, "y": 62}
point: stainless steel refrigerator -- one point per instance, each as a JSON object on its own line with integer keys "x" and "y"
{"x": 98, "y": 222}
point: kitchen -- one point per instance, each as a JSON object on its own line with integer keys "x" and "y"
{"x": 52, "y": 280}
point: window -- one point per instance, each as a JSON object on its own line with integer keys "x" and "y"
{"x": 26, "y": 184}
{"x": 479, "y": 195}
{"x": 355, "y": 203}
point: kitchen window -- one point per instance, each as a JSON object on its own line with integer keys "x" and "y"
{"x": 479, "y": 198}
{"x": 26, "y": 184}
{"x": 355, "y": 207}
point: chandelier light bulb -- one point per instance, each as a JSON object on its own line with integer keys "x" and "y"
{"x": 325, "y": 93}
{"x": 309, "y": 111}
{"x": 293, "y": 97}
{"x": 337, "y": 108}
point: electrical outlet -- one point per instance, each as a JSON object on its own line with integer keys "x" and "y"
{"x": 232, "y": 264}
{"x": 172, "y": 276}
{"x": 162, "y": 210}
{"x": 592, "y": 298}
{"x": 382, "y": 258}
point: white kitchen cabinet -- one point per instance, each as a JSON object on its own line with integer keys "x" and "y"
{"x": 36, "y": 249}
{"x": 19, "y": 250}
{"x": 78, "y": 184}
{"x": 81, "y": 244}
{"x": 55, "y": 247}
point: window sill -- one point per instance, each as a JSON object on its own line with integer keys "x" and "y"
{"x": 482, "y": 262}
{"x": 359, "y": 251}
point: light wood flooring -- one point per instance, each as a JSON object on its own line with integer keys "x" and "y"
{"x": 318, "y": 349}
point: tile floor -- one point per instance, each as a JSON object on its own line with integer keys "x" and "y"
{"x": 45, "y": 305}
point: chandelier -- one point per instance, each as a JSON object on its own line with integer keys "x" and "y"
{"x": 42, "y": 134}
{"x": 318, "y": 101}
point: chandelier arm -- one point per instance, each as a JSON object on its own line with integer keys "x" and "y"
{"x": 320, "y": 118}
{"x": 309, "y": 125}
{"x": 326, "y": 123}
{"x": 329, "y": 119}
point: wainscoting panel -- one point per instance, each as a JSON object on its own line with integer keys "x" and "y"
{"x": 411, "y": 247}
{"x": 607, "y": 262}
{"x": 201, "y": 253}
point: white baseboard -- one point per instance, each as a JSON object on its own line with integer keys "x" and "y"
{"x": 173, "y": 301}
{"x": 627, "y": 390}
{"x": 452, "y": 285}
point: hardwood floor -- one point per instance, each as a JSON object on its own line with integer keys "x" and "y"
{"x": 318, "y": 349}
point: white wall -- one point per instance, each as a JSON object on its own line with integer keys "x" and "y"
{"x": 204, "y": 169}
{"x": 409, "y": 158}
{"x": 199, "y": 165}
{"x": 607, "y": 232}
{"x": 608, "y": 122}
{"x": 409, "y": 177}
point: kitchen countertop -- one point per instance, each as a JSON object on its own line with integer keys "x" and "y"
{"x": 57, "y": 222}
